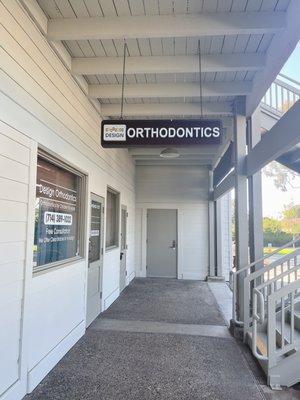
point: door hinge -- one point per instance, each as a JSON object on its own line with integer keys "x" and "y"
{"x": 126, "y": 247}
{"x": 102, "y": 251}
{"x": 127, "y": 214}
{"x": 100, "y": 295}
{"x": 126, "y": 272}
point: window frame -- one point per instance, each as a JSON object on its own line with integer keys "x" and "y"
{"x": 81, "y": 225}
{"x": 117, "y": 194}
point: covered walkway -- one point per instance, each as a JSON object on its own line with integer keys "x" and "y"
{"x": 162, "y": 339}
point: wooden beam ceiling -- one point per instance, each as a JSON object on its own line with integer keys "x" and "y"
{"x": 168, "y": 64}
{"x": 190, "y": 89}
{"x": 160, "y": 109}
{"x": 158, "y": 26}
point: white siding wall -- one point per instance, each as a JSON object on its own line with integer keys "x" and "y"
{"x": 226, "y": 240}
{"x": 184, "y": 188}
{"x": 41, "y": 105}
{"x": 16, "y": 152}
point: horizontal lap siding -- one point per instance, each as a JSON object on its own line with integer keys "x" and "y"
{"x": 40, "y": 100}
{"x": 184, "y": 188}
{"x": 44, "y": 90}
{"x": 226, "y": 251}
{"x": 194, "y": 241}
{"x": 14, "y": 178}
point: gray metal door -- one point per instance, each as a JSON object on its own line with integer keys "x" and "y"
{"x": 123, "y": 248}
{"x": 95, "y": 266}
{"x": 162, "y": 243}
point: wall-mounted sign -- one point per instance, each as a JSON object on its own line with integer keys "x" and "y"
{"x": 160, "y": 132}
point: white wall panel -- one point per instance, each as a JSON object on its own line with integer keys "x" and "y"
{"x": 171, "y": 184}
{"x": 226, "y": 240}
{"x": 48, "y": 297}
{"x": 14, "y": 168}
{"x": 184, "y": 188}
{"x": 42, "y": 105}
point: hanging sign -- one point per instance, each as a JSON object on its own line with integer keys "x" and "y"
{"x": 161, "y": 132}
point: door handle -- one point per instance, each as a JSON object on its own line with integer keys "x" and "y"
{"x": 173, "y": 245}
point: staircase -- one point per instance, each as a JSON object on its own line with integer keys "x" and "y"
{"x": 271, "y": 313}
{"x": 279, "y": 98}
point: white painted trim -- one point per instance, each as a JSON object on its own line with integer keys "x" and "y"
{"x": 168, "y": 64}
{"x": 47, "y": 363}
{"x": 29, "y": 259}
{"x": 18, "y": 389}
{"x": 281, "y": 47}
{"x": 224, "y": 186}
{"x": 144, "y": 207}
{"x": 41, "y": 21}
{"x": 110, "y": 298}
{"x": 188, "y": 89}
{"x": 283, "y": 136}
{"x": 157, "y": 109}
{"x": 160, "y": 206}
{"x": 36, "y": 13}
{"x": 86, "y": 244}
{"x": 131, "y": 277}
{"x": 158, "y": 26}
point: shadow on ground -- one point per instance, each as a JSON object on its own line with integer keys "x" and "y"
{"x": 167, "y": 300}
{"x": 118, "y": 364}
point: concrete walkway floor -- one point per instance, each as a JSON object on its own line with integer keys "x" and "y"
{"x": 162, "y": 339}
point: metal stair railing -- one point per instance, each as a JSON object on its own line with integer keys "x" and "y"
{"x": 281, "y": 95}
{"x": 251, "y": 268}
{"x": 267, "y": 306}
{"x": 266, "y": 276}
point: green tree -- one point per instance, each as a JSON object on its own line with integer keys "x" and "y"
{"x": 291, "y": 220}
{"x": 271, "y": 224}
{"x": 283, "y": 177}
{"x": 273, "y": 232}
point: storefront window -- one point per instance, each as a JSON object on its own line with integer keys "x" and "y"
{"x": 112, "y": 218}
{"x": 57, "y": 213}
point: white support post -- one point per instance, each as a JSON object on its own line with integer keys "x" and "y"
{"x": 255, "y": 194}
{"x": 219, "y": 239}
{"x": 211, "y": 230}
{"x": 241, "y": 200}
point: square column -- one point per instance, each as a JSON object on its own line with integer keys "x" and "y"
{"x": 224, "y": 237}
{"x": 241, "y": 205}
{"x": 255, "y": 193}
{"x": 215, "y": 237}
{"x": 211, "y": 230}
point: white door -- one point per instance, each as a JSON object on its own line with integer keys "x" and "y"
{"x": 123, "y": 248}
{"x": 94, "y": 288}
{"x": 162, "y": 243}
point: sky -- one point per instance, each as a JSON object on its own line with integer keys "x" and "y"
{"x": 274, "y": 199}
{"x": 292, "y": 66}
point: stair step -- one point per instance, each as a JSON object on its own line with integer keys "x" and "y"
{"x": 261, "y": 342}
{"x": 296, "y": 315}
{"x": 287, "y": 328}
{"x": 296, "y": 319}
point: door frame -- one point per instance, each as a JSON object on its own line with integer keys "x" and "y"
{"x": 100, "y": 199}
{"x": 158, "y": 207}
{"x": 123, "y": 208}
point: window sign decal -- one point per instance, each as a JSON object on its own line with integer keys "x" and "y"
{"x": 161, "y": 132}
{"x": 95, "y": 237}
{"x": 56, "y": 214}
